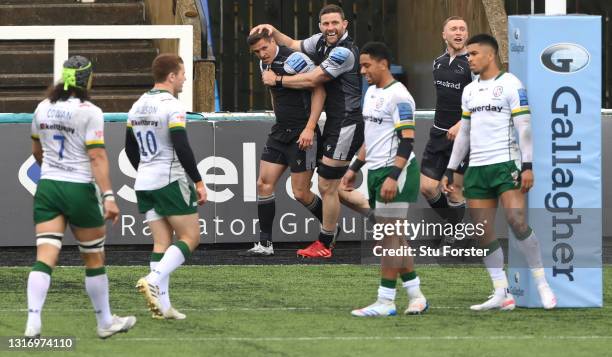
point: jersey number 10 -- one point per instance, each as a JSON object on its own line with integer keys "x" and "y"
{"x": 150, "y": 141}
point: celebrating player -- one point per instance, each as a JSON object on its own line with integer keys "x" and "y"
{"x": 393, "y": 173}
{"x": 156, "y": 144}
{"x": 293, "y": 139}
{"x": 451, "y": 74}
{"x": 68, "y": 143}
{"x": 493, "y": 107}
{"x": 338, "y": 69}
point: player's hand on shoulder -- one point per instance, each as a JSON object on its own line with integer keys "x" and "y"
{"x": 111, "y": 210}
{"x": 201, "y": 193}
{"x": 257, "y": 29}
{"x": 526, "y": 181}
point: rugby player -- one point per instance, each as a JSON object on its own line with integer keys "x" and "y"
{"x": 494, "y": 110}
{"x": 157, "y": 146}
{"x": 293, "y": 140}
{"x": 68, "y": 144}
{"x": 451, "y": 74}
{"x": 336, "y": 56}
{"x": 393, "y": 173}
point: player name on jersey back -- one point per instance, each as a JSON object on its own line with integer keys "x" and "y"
{"x": 152, "y": 118}
{"x": 66, "y": 130}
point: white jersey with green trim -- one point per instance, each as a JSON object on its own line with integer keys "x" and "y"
{"x": 66, "y": 130}
{"x": 152, "y": 117}
{"x": 385, "y": 112}
{"x": 490, "y": 105}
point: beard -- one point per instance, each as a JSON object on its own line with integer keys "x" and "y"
{"x": 455, "y": 46}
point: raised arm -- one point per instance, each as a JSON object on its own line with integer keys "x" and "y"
{"x": 278, "y": 36}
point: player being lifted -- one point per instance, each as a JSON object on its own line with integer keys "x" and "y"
{"x": 68, "y": 143}
{"x": 494, "y": 106}
{"x": 393, "y": 173}
{"x": 338, "y": 69}
{"x": 451, "y": 74}
{"x": 293, "y": 140}
{"x": 156, "y": 144}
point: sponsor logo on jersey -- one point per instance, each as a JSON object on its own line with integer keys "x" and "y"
{"x": 60, "y": 127}
{"x": 448, "y": 84}
{"x": 523, "y": 97}
{"x": 405, "y": 111}
{"x": 486, "y": 108}
{"x": 565, "y": 58}
{"x": 372, "y": 119}
{"x": 339, "y": 55}
{"x": 497, "y": 91}
{"x": 296, "y": 62}
{"x": 144, "y": 122}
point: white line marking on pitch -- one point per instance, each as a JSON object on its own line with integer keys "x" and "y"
{"x": 357, "y": 338}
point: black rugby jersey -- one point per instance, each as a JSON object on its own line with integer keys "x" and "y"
{"x": 291, "y": 106}
{"x": 341, "y": 63}
{"x": 449, "y": 79}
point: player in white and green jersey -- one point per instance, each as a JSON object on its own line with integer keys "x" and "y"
{"x": 393, "y": 173}
{"x": 68, "y": 142}
{"x": 157, "y": 146}
{"x": 495, "y": 109}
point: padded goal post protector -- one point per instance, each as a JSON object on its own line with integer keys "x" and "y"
{"x": 558, "y": 59}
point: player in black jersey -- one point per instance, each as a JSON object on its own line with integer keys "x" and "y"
{"x": 337, "y": 58}
{"x": 293, "y": 139}
{"x": 451, "y": 74}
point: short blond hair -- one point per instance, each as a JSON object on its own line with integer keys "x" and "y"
{"x": 451, "y": 19}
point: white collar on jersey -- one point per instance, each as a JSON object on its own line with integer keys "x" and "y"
{"x": 464, "y": 52}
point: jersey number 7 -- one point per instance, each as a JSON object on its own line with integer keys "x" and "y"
{"x": 61, "y": 139}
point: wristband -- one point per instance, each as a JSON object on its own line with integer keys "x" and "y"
{"x": 449, "y": 175}
{"x": 108, "y": 195}
{"x": 357, "y": 165}
{"x": 526, "y": 166}
{"x": 279, "y": 82}
{"x": 394, "y": 173}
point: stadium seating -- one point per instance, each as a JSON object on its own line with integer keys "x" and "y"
{"x": 121, "y": 67}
